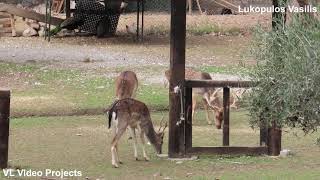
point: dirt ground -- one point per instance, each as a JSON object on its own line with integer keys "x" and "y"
{"x": 122, "y": 50}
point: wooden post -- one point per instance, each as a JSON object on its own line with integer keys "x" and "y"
{"x": 4, "y": 127}
{"x": 188, "y": 122}
{"x": 226, "y": 115}
{"x": 138, "y": 19}
{"x": 274, "y": 140}
{"x": 177, "y": 68}
{"x": 67, "y": 8}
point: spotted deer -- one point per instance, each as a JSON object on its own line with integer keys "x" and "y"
{"x": 207, "y": 95}
{"x": 126, "y": 85}
{"x": 133, "y": 114}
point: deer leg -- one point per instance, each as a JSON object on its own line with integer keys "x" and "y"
{"x": 189, "y": 6}
{"x": 199, "y": 7}
{"x": 133, "y": 135}
{"x": 207, "y": 111}
{"x": 143, "y": 142}
{"x": 117, "y": 155}
{"x": 194, "y": 104}
{"x": 114, "y": 144}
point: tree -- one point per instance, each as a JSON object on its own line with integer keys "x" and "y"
{"x": 288, "y": 75}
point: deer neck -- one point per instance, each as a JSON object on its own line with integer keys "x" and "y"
{"x": 151, "y": 134}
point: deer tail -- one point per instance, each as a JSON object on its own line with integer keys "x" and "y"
{"x": 112, "y": 113}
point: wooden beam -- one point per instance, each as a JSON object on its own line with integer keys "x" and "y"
{"x": 5, "y": 21}
{"x": 27, "y": 14}
{"x": 177, "y": 67}
{"x": 213, "y": 83}
{"x": 4, "y": 127}
{"x": 226, "y": 115}
{"x": 229, "y": 150}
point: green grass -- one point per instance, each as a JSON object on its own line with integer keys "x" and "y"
{"x": 82, "y": 143}
{"x": 202, "y": 29}
{"x": 37, "y": 90}
{"x": 209, "y": 28}
{"x": 199, "y": 29}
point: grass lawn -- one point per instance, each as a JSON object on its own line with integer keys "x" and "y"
{"x": 82, "y": 143}
{"x": 41, "y": 90}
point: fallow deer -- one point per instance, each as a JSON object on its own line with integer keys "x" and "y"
{"x": 133, "y": 114}
{"x": 205, "y": 93}
{"x": 126, "y": 85}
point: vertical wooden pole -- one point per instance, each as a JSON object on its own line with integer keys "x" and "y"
{"x": 177, "y": 68}
{"x": 4, "y": 127}
{"x": 188, "y": 122}
{"x": 13, "y": 26}
{"x": 226, "y": 115}
{"x": 138, "y": 18}
{"x": 67, "y": 8}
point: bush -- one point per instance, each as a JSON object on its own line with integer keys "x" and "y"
{"x": 288, "y": 76}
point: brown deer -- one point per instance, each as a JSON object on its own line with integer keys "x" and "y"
{"x": 126, "y": 85}
{"x": 133, "y": 114}
{"x": 206, "y": 94}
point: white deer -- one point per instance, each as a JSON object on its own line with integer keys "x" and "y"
{"x": 133, "y": 114}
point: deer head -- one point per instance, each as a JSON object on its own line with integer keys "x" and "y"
{"x": 218, "y": 116}
{"x": 159, "y": 136}
{"x": 216, "y": 105}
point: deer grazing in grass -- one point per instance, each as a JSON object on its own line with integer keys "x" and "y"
{"x": 126, "y": 85}
{"x": 211, "y": 97}
{"x": 207, "y": 95}
{"x": 133, "y": 114}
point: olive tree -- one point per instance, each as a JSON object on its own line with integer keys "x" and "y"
{"x": 288, "y": 75}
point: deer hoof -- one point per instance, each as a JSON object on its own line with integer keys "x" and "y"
{"x": 209, "y": 123}
{"x": 115, "y": 165}
{"x": 120, "y": 162}
{"x": 137, "y": 159}
{"x": 146, "y": 159}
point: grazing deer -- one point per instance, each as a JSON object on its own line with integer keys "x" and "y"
{"x": 126, "y": 85}
{"x": 133, "y": 114}
{"x": 206, "y": 94}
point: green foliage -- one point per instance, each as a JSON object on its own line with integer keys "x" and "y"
{"x": 288, "y": 72}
